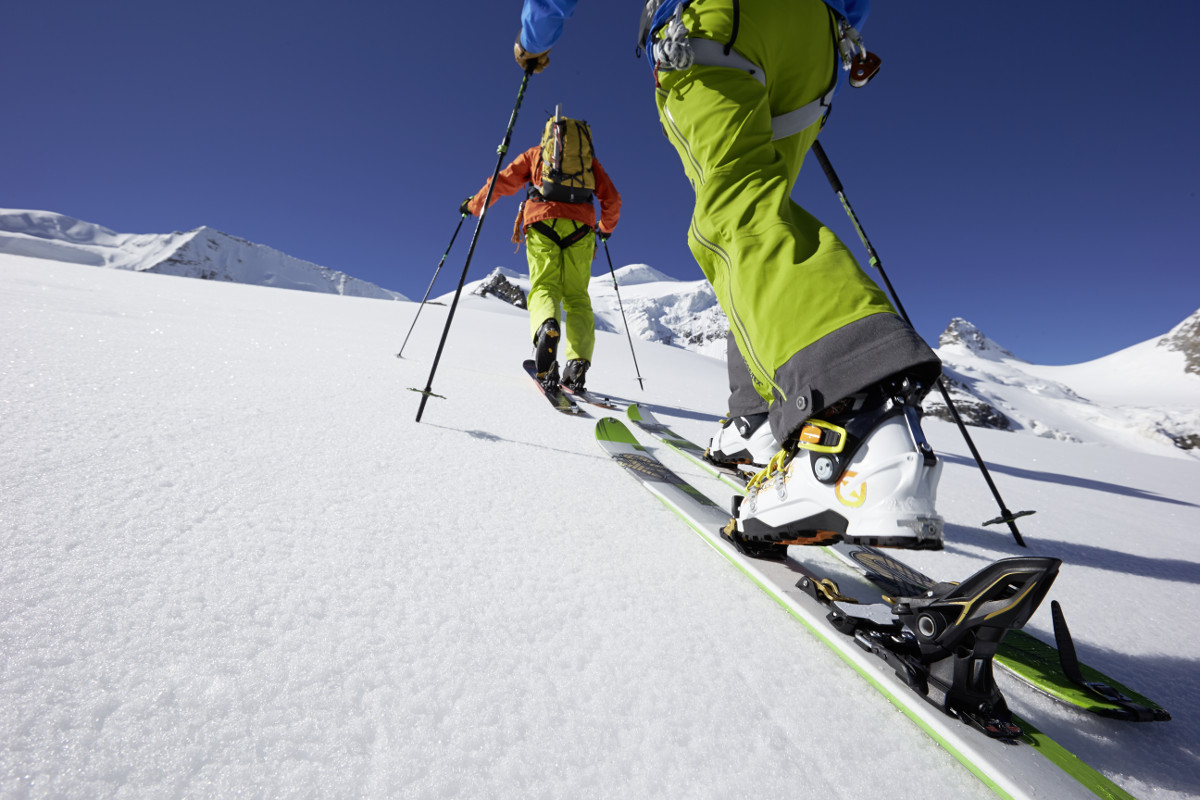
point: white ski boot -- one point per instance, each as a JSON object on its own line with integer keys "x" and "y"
{"x": 743, "y": 440}
{"x": 872, "y": 479}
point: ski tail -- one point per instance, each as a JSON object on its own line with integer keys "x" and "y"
{"x": 1108, "y": 691}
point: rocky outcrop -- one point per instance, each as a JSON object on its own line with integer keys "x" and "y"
{"x": 1185, "y": 338}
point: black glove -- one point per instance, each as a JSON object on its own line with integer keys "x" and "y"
{"x": 603, "y": 236}
{"x": 463, "y": 209}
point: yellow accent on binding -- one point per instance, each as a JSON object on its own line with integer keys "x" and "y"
{"x": 805, "y": 444}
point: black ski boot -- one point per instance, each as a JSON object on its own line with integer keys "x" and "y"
{"x": 545, "y": 353}
{"x": 575, "y": 374}
{"x": 549, "y": 379}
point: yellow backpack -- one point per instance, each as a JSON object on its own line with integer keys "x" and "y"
{"x": 567, "y": 175}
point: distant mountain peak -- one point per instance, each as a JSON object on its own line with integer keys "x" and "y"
{"x": 1185, "y": 338}
{"x": 202, "y": 252}
{"x": 960, "y": 333}
{"x": 633, "y": 274}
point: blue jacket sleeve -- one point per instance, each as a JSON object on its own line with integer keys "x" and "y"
{"x": 855, "y": 11}
{"x": 542, "y": 23}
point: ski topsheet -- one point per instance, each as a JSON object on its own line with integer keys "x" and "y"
{"x": 1022, "y": 655}
{"x": 1034, "y": 766}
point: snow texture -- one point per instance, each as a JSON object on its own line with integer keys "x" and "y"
{"x": 234, "y": 565}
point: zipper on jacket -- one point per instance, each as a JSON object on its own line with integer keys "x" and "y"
{"x": 734, "y": 318}
{"x": 684, "y": 144}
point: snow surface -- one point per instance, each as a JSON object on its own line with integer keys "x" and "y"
{"x": 234, "y": 565}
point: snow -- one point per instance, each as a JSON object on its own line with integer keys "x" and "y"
{"x": 234, "y": 564}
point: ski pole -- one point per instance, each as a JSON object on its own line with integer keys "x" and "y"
{"x": 628, "y": 336}
{"x": 430, "y": 289}
{"x": 1006, "y": 516}
{"x": 512, "y": 121}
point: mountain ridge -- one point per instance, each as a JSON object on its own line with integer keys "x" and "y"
{"x": 203, "y": 252}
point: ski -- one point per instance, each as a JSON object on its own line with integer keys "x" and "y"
{"x": 591, "y": 398}
{"x": 645, "y": 420}
{"x": 557, "y": 397}
{"x": 1022, "y": 764}
{"x": 1051, "y": 669}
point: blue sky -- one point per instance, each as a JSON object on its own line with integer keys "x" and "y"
{"x": 1036, "y": 175}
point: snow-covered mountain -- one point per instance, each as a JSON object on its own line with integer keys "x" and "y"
{"x": 200, "y": 253}
{"x": 662, "y": 309}
{"x": 1145, "y": 397}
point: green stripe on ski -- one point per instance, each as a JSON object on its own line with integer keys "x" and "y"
{"x": 1070, "y": 763}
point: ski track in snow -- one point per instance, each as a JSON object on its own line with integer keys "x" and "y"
{"x": 234, "y": 564}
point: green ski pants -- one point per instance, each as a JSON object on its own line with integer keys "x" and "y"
{"x": 559, "y": 281}
{"x": 783, "y": 279}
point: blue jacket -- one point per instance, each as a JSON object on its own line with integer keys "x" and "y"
{"x": 542, "y": 20}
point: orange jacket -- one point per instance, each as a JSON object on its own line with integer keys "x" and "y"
{"x": 527, "y": 168}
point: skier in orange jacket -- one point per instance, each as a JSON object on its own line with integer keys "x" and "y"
{"x": 559, "y": 247}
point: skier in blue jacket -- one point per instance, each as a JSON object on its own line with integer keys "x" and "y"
{"x": 820, "y": 363}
